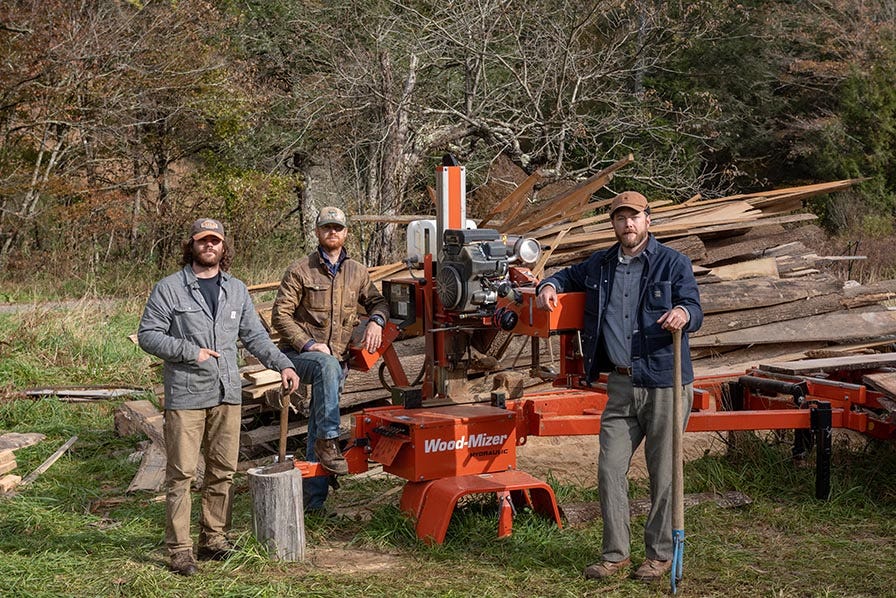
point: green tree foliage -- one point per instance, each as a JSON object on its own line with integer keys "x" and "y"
{"x": 122, "y": 121}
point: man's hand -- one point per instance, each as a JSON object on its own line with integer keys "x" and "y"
{"x": 674, "y": 319}
{"x": 290, "y": 379}
{"x": 546, "y": 298}
{"x": 205, "y": 354}
{"x": 320, "y": 348}
{"x": 373, "y": 337}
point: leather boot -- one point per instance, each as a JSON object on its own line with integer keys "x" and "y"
{"x": 329, "y": 455}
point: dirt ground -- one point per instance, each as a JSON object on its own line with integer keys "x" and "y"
{"x": 573, "y": 459}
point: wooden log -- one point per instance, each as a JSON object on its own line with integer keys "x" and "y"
{"x": 133, "y": 417}
{"x": 278, "y": 519}
{"x": 6, "y": 456}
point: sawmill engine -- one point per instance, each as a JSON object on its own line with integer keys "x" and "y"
{"x": 473, "y": 271}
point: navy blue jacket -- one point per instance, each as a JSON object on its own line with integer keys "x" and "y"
{"x": 667, "y": 281}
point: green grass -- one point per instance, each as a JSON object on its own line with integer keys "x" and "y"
{"x": 75, "y": 532}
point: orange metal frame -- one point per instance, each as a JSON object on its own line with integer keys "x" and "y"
{"x": 449, "y": 452}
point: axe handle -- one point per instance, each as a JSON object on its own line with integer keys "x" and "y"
{"x": 677, "y": 433}
{"x": 284, "y": 424}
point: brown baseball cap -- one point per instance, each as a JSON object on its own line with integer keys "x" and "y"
{"x": 205, "y": 227}
{"x": 629, "y": 199}
{"x": 330, "y": 215}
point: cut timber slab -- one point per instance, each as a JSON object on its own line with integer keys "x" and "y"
{"x": 833, "y": 364}
{"x": 760, "y": 292}
{"x": 9, "y": 482}
{"x": 151, "y": 474}
{"x": 764, "y": 267}
{"x": 833, "y": 327}
{"x": 884, "y": 382}
{"x": 7, "y": 467}
{"x": 14, "y": 440}
{"x": 263, "y": 377}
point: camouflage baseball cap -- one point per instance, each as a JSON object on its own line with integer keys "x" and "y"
{"x": 330, "y": 215}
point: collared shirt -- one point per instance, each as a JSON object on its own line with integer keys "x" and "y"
{"x": 621, "y": 320}
{"x": 333, "y": 268}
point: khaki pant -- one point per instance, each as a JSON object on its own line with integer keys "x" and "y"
{"x": 216, "y": 432}
{"x": 632, "y": 415}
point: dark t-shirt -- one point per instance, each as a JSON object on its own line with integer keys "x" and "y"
{"x": 210, "y": 287}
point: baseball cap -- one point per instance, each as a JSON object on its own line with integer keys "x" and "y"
{"x": 205, "y": 227}
{"x": 330, "y": 215}
{"x": 629, "y": 199}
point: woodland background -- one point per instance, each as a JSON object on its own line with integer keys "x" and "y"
{"x": 121, "y": 121}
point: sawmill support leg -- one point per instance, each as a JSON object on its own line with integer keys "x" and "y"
{"x": 821, "y": 425}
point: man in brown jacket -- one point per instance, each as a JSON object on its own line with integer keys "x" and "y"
{"x": 315, "y": 312}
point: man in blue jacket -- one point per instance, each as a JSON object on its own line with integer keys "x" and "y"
{"x": 192, "y": 321}
{"x": 637, "y": 292}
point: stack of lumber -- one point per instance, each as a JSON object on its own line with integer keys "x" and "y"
{"x": 765, "y": 289}
{"x": 9, "y": 442}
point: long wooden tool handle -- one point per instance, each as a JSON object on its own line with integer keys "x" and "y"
{"x": 677, "y": 433}
{"x": 284, "y": 424}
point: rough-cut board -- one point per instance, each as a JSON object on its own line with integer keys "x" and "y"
{"x": 834, "y": 327}
{"x": 884, "y": 382}
{"x": 754, "y": 293}
{"x": 9, "y": 482}
{"x": 151, "y": 474}
{"x": 13, "y": 440}
{"x": 749, "y": 318}
{"x": 852, "y": 362}
{"x": 263, "y": 377}
{"x": 765, "y": 267}
{"x": 7, "y": 466}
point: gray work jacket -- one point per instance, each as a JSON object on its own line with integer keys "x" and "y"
{"x": 177, "y": 322}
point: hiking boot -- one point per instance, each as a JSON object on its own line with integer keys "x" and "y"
{"x": 182, "y": 563}
{"x": 329, "y": 455}
{"x": 651, "y": 570}
{"x": 605, "y": 569}
{"x": 216, "y": 550}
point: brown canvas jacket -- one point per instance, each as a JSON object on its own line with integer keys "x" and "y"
{"x": 311, "y": 304}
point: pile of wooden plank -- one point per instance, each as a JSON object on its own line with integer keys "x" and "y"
{"x": 765, "y": 288}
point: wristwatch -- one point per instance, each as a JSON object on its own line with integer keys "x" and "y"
{"x": 378, "y": 319}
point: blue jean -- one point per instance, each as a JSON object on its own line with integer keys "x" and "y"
{"x": 326, "y": 376}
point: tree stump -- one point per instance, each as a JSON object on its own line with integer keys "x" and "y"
{"x": 278, "y": 519}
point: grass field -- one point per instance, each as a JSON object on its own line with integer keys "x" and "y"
{"x": 75, "y": 532}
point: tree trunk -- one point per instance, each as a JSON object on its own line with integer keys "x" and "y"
{"x": 278, "y": 519}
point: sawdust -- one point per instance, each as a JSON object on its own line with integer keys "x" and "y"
{"x": 573, "y": 459}
{"x": 347, "y": 561}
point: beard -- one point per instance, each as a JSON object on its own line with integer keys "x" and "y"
{"x": 632, "y": 239}
{"x": 210, "y": 257}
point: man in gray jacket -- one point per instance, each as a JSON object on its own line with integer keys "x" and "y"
{"x": 192, "y": 321}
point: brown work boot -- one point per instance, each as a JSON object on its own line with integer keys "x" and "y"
{"x": 329, "y": 455}
{"x": 606, "y": 569}
{"x": 217, "y": 549}
{"x": 182, "y": 563}
{"x": 651, "y": 570}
